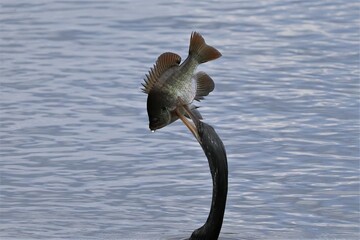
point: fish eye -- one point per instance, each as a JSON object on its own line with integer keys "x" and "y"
{"x": 163, "y": 108}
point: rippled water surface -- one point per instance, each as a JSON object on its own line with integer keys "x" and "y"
{"x": 78, "y": 160}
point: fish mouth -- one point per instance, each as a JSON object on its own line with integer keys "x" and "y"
{"x": 152, "y": 128}
{"x": 156, "y": 126}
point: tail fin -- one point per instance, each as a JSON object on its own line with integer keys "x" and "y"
{"x": 200, "y": 50}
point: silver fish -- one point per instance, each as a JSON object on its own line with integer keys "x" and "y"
{"x": 171, "y": 86}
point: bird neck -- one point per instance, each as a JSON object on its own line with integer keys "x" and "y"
{"x": 216, "y": 155}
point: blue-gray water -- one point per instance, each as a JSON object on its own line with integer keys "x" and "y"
{"x": 79, "y": 162}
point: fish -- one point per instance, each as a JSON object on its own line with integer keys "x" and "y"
{"x": 172, "y": 87}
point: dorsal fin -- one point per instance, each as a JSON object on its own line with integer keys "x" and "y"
{"x": 164, "y": 62}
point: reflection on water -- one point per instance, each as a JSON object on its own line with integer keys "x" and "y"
{"x": 78, "y": 160}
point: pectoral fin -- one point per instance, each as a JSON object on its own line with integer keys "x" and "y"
{"x": 204, "y": 85}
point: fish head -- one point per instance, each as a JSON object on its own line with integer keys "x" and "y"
{"x": 158, "y": 111}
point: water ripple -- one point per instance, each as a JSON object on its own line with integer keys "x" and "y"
{"x": 77, "y": 158}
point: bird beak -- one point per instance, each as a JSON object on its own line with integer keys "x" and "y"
{"x": 191, "y": 126}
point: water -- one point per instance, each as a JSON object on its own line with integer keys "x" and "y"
{"x": 79, "y": 162}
